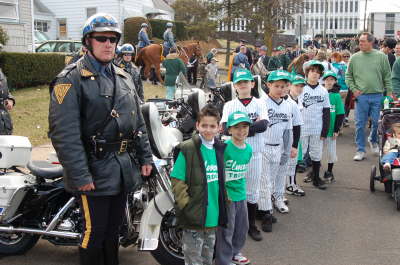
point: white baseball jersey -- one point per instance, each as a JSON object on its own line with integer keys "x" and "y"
{"x": 256, "y": 110}
{"x": 314, "y": 100}
{"x": 280, "y": 119}
{"x": 296, "y": 114}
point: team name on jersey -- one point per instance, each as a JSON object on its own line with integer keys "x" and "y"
{"x": 235, "y": 171}
{"x": 212, "y": 172}
{"x": 309, "y": 100}
{"x": 276, "y": 117}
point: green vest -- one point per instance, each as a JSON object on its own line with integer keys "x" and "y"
{"x": 193, "y": 215}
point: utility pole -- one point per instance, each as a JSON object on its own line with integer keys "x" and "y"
{"x": 301, "y": 33}
{"x": 365, "y": 15}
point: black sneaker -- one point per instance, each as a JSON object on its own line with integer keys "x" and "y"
{"x": 266, "y": 224}
{"x": 260, "y": 216}
{"x": 254, "y": 233}
{"x": 328, "y": 176}
{"x": 319, "y": 183}
{"x": 309, "y": 177}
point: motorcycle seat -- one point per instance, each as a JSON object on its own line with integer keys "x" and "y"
{"x": 45, "y": 170}
{"x": 162, "y": 139}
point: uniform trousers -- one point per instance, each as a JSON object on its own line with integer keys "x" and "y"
{"x": 314, "y": 145}
{"x": 330, "y": 147}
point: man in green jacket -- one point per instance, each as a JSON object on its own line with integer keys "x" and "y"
{"x": 173, "y": 66}
{"x": 396, "y": 77}
{"x": 369, "y": 77}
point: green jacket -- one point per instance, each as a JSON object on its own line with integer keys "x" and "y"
{"x": 285, "y": 61}
{"x": 191, "y": 195}
{"x": 396, "y": 77}
{"x": 173, "y": 66}
{"x": 274, "y": 63}
{"x": 369, "y": 72}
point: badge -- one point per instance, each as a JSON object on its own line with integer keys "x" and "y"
{"x": 86, "y": 73}
{"x": 60, "y": 91}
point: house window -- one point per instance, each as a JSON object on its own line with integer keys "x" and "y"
{"x": 242, "y": 24}
{"x": 90, "y": 11}
{"x": 62, "y": 28}
{"x": 42, "y": 25}
{"x": 322, "y": 4}
{"x": 389, "y": 26}
{"x": 316, "y": 23}
{"x": 9, "y": 9}
{"x": 312, "y": 7}
{"x": 331, "y": 23}
{"x": 346, "y": 9}
{"x": 341, "y": 7}
{"x": 356, "y": 23}
{"x": 336, "y": 23}
{"x": 336, "y": 6}
{"x": 341, "y": 23}
{"x": 351, "y": 6}
{"x": 351, "y": 23}
{"x": 345, "y": 22}
{"x": 331, "y": 10}
{"x": 356, "y": 6}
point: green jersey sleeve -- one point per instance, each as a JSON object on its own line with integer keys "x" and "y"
{"x": 339, "y": 105}
{"x": 179, "y": 170}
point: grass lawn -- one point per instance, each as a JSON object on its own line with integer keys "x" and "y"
{"x": 30, "y": 114}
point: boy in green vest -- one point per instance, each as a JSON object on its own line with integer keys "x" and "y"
{"x": 336, "y": 120}
{"x": 198, "y": 184}
{"x": 231, "y": 240}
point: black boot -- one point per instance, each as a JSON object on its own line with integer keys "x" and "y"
{"x": 317, "y": 182}
{"x": 111, "y": 247}
{"x": 91, "y": 256}
{"x": 266, "y": 224}
{"x": 254, "y": 233}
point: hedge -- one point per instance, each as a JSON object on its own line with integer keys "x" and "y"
{"x": 30, "y": 69}
{"x": 158, "y": 27}
{"x": 132, "y": 27}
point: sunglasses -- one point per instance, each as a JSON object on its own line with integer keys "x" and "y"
{"x": 104, "y": 39}
{"x": 346, "y": 56}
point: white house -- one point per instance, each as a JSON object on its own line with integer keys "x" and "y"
{"x": 44, "y": 20}
{"x": 384, "y": 24}
{"x": 16, "y": 20}
{"x": 69, "y": 16}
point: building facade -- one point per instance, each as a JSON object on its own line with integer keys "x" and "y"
{"x": 341, "y": 17}
{"x": 16, "y": 19}
{"x": 69, "y": 16}
{"x": 384, "y": 24}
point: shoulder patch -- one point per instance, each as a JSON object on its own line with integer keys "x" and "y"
{"x": 66, "y": 70}
{"x": 61, "y": 90}
{"x": 86, "y": 73}
{"x": 120, "y": 71}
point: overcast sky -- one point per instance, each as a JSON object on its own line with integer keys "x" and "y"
{"x": 381, "y": 6}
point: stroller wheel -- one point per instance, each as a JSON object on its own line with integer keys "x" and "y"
{"x": 372, "y": 179}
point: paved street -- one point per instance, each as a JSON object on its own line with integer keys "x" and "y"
{"x": 344, "y": 225}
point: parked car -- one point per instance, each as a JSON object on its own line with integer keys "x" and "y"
{"x": 63, "y": 46}
{"x": 39, "y": 38}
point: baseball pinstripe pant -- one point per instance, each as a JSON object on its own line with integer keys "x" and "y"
{"x": 253, "y": 177}
{"x": 270, "y": 170}
{"x": 314, "y": 145}
{"x": 330, "y": 145}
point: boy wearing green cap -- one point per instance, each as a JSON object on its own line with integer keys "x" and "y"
{"x": 277, "y": 148}
{"x": 256, "y": 111}
{"x": 295, "y": 90}
{"x": 231, "y": 240}
{"x": 336, "y": 120}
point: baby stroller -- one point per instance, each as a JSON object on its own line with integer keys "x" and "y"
{"x": 390, "y": 180}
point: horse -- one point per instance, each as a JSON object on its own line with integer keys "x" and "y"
{"x": 152, "y": 56}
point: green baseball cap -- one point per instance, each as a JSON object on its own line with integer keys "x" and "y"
{"x": 313, "y": 62}
{"x": 298, "y": 79}
{"x": 329, "y": 73}
{"x": 242, "y": 74}
{"x": 278, "y": 75}
{"x": 280, "y": 48}
{"x": 238, "y": 117}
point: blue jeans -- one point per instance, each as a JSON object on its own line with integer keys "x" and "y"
{"x": 389, "y": 157}
{"x": 170, "y": 92}
{"x": 368, "y": 105}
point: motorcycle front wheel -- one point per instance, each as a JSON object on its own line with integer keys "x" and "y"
{"x": 169, "y": 250}
{"x": 17, "y": 243}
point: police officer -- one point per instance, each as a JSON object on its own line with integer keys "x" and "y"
{"x": 7, "y": 102}
{"x": 240, "y": 60}
{"x": 98, "y": 132}
{"x": 143, "y": 37}
{"x": 128, "y": 52}
{"x": 168, "y": 39}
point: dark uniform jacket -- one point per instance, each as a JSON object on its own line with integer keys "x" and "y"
{"x": 6, "y": 125}
{"x": 81, "y": 101}
{"x": 135, "y": 73}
